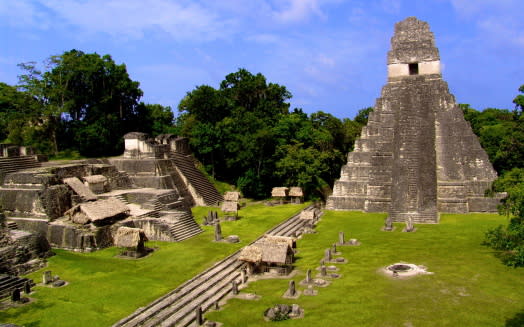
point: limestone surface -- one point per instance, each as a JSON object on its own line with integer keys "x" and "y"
{"x": 417, "y": 156}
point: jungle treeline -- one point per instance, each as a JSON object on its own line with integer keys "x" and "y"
{"x": 243, "y": 132}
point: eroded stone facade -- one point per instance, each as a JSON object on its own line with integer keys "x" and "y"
{"x": 417, "y": 156}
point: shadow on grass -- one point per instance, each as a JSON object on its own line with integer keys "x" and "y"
{"x": 516, "y": 321}
{"x": 11, "y": 315}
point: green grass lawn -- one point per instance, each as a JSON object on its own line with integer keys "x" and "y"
{"x": 469, "y": 287}
{"x": 104, "y": 288}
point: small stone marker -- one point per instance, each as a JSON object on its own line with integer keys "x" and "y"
{"x": 323, "y": 270}
{"x": 46, "y": 277}
{"x": 198, "y": 316}
{"x": 409, "y": 224}
{"x": 388, "y": 224}
{"x": 334, "y": 250}
{"x": 218, "y": 232}
{"x": 327, "y": 255}
{"x": 58, "y": 283}
{"x": 27, "y": 287}
{"x": 295, "y": 310}
{"x": 15, "y": 295}
{"x": 291, "y": 290}
{"x": 234, "y": 287}
{"x": 233, "y": 239}
{"x": 243, "y": 275}
{"x": 308, "y": 276}
{"x": 341, "y": 238}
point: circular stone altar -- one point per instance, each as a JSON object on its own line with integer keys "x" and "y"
{"x": 405, "y": 270}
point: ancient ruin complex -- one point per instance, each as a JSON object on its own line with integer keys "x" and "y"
{"x": 80, "y": 205}
{"x": 417, "y": 156}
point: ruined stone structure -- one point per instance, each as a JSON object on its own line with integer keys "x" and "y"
{"x": 81, "y": 204}
{"x": 165, "y": 162}
{"x": 14, "y": 158}
{"x": 20, "y": 252}
{"x": 417, "y": 156}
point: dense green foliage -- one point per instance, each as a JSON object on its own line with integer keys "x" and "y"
{"x": 244, "y": 133}
{"x": 509, "y": 240}
{"x": 501, "y": 133}
{"x": 83, "y": 102}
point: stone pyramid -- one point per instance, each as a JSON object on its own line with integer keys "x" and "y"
{"x": 417, "y": 156}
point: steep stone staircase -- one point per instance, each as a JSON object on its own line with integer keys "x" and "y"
{"x": 11, "y": 225}
{"x": 184, "y": 226}
{"x": 14, "y": 164}
{"x": 204, "y": 188}
{"x": 9, "y": 283}
{"x": 122, "y": 198}
{"x": 155, "y": 206}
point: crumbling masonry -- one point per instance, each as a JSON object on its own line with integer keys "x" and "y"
{"x": 80, "y": 205}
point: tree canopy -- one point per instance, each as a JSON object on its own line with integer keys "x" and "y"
{"x": 244, "y": 133}
{"x": 501, "y": 133}
{"x": 81, "y": 101}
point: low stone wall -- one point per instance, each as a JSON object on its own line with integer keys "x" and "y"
{"x": 33, "y": 225}
{"x": 56, "y": 200}
{"x": 135, "y": 166}
{"x": 154, "y": 228}
{"x": 74, "y": 238}
{"x": 161, "y": 182}
{"x": 22, "y": 201}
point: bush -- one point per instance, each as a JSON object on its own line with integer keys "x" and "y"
{"x": 510, "y": 239}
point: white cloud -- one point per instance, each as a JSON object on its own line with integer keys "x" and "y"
{"x": 298, "y": 10}
{"x": 23, "y": 13}
{"x": 498, "y": 22}
{"x": 504, "y": 31}
{"x": 264, "y": 38}
{"x": 468, "y": 8}
{"x": 390, "y": 6}
{"x": 182, "y": 20}
{"x": 325, "y": 60}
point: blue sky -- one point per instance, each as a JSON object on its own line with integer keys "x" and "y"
{"x": 331, "y": 54}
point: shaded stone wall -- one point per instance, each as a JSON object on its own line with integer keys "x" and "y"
{"x": 414, "y": 191}
{"x": 18, "y": 249}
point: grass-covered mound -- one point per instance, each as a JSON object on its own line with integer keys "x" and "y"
{"x": 103, "y": 288}
{"x": 469, "y": 287}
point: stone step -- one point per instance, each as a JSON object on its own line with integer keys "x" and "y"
{"x": 122, "y": 198}
{"x": 161, "y": 308}
{"x": 12, "y": 225}
{"x": 196, "y": 178}
{"x": 186, "y": 315}
{"x": 12, "y": 282}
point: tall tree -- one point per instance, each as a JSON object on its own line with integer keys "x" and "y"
{"x": 509, "y": 159}
{"x": 244, "y": 133}
{"x": 90, "y": 97}
{"x": 231, "y": 127}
